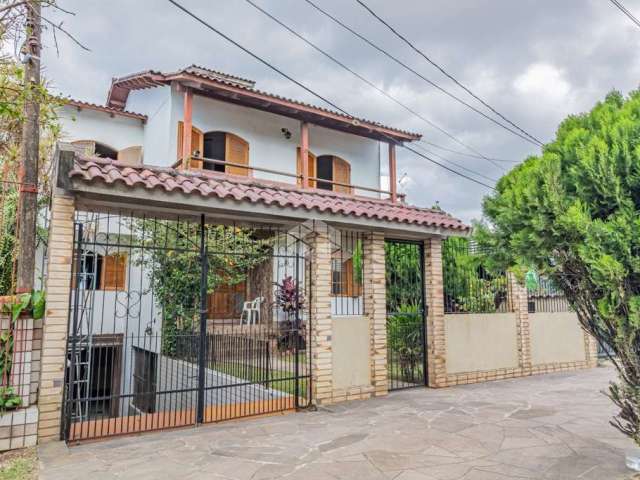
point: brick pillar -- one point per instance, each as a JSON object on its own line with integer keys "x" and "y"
{"x": 436, "y": 344}
{"x": 321, "y": 324}
{"x": 54, "y": 335}
{"x": 519, "y": 303}
{"x": 591, "y": 350}
{"x": 375, "y": 305}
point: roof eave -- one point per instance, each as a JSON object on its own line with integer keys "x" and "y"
{"x": 293, "y": 108}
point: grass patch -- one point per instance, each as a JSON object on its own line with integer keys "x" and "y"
{"x": 19, "y": 465}
{"x": 275, "y": 379}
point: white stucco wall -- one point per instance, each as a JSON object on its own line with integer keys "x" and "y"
{"x": 268, "y": 147}
{"x": 117, "y": 132}
{"x": 156, "y": 103}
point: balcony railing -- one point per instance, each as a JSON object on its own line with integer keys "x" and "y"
{"x": 197, "y": 163}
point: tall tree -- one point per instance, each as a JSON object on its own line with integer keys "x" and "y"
{"x": 573, "y": 213}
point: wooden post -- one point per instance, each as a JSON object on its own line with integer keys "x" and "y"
{"x": 188, "y": 126}
{"x": 304, "y": 153}
{"x": 393, "y": 181}
{"x": 29, "y": 153}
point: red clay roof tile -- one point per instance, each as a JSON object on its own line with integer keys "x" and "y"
{"x": 247, "y": 189}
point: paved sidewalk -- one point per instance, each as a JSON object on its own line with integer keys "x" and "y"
{"x": 542, "y": 427}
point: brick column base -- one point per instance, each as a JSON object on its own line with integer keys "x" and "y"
{"x": 54, "y": 334}
{"x": 375, "y": 305}
{"x": 436, "y": 342}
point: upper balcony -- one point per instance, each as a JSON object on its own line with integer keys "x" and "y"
{"x": 235, "y": 129}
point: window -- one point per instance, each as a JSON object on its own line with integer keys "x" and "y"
{"x": 144, "y": 380}
{"x": 197, "y": 144}
{"x": 345, "y": 280}
{"x": 327, "y": 167}
{"x": 102, "y": 272}
{"x": 228, "y": 148}
{"x": 90, "y": 270}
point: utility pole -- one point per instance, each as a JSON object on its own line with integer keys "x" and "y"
{"x": 29, "y": 153}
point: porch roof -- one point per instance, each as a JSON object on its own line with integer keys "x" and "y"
{"x": 241, "y": 91}
{"x": 279, "y": 198}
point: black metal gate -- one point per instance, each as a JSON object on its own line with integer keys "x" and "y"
{"x": 179, "y": 322}
{"x": 406, "y": 309}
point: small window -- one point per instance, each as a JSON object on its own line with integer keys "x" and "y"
{"x": 90, "y": 271}
{"x": 345, "y": 279}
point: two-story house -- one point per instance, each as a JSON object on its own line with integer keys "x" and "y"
{"x": 196, "y": 147}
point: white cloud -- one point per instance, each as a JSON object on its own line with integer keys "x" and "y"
{"x": 544, "y": 82}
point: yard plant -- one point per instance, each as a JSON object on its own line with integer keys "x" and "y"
{"x": 573, "y": 214}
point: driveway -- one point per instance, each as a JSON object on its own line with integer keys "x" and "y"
{"x": 548, "y": 426}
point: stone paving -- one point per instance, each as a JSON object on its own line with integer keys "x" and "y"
{"x": 543, "y": 427}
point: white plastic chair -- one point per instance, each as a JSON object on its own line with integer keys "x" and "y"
{"x": 251, "y": 312}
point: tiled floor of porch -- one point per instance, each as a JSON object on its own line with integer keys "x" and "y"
{"x": 553, "y": 426}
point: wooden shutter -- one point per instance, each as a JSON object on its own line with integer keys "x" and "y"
{"x": 342, "y": 174}
{"x": 113, "y": 274}
{"x": 312, "y": 167}
{"x": 197, "y": 144}
{"x": 236, "y": 150}
{"x": 349, "y": 285}
{"x": 226, "y": 301}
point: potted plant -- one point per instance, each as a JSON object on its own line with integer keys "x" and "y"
{"x": 290, "y": 301}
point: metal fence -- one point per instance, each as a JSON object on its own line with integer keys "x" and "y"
{"x": 178, "y": 321}
{"x": 547, "y": 297}
{"x": 471, "y": 283}
{"x": 406, "y": 309}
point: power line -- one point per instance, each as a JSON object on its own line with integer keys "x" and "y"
{"x": 312, "y": 45}
{"x": 622, "y": 8}
{"x": 365, "y": 80}
{"x": 446, "y": 160}
{"x": 435, "y": 145}
{"x": 447, "y": 74}
{"x": 264, "y": 62}
{"x": 301, "y": 85}
{"x": 399, "y": 62}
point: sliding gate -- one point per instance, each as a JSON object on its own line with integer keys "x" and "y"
{"x": 178, "y": 322}
{"x": 406, "y": 309}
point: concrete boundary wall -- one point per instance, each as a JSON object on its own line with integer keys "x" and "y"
{"x": 480, "y": 347}
{"x": 556, "y": 337}
{"x": 481, "y": 341}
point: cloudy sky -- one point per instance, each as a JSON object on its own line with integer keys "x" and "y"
{"x": 535, "y": 61}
